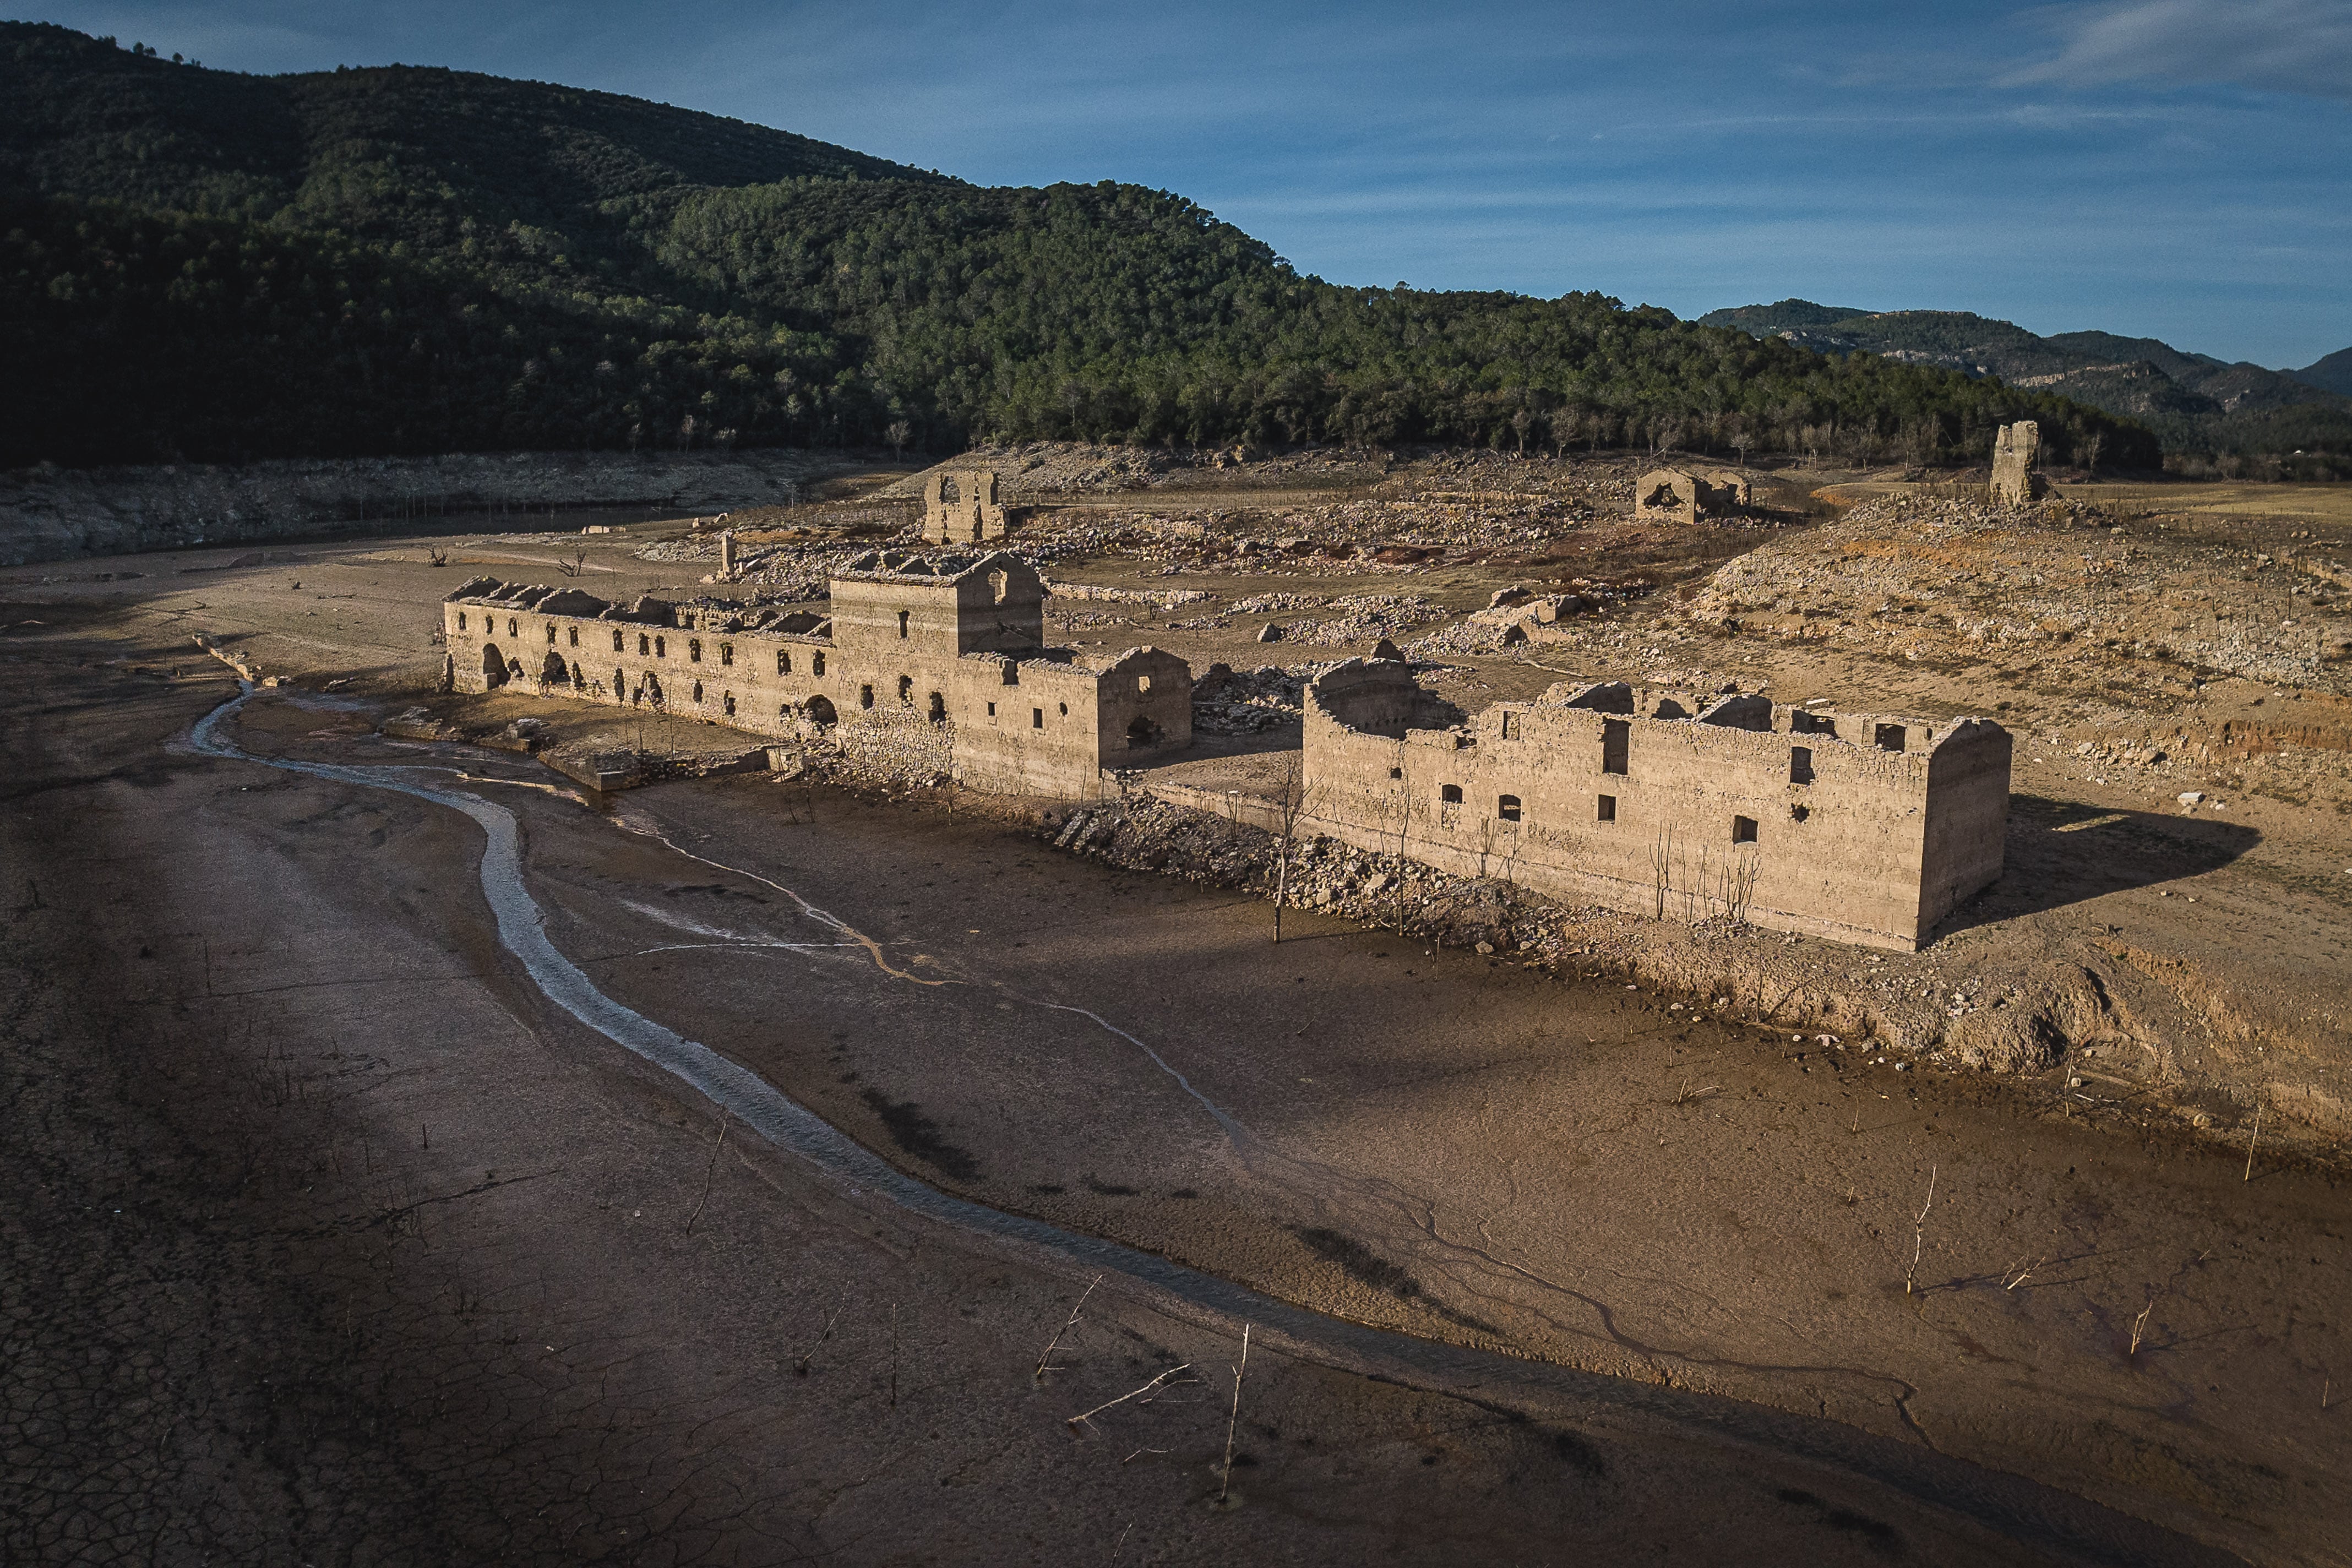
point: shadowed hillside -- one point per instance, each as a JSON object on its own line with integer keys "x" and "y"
{"x": 204, "y": 265}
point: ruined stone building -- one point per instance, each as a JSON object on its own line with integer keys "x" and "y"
{"x": 1860, "y": 828}
{"x": 1685, "y": 494}
{"x": 934, "y": 665}
{"x": 961, "y": 507}
{"x": 2016, "y": 452}
{"x": 1864, "y": 828}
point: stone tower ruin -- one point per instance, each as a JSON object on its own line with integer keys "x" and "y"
{"x": 2016, "y": 451}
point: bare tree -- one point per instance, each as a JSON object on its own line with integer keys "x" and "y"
{"x": 1291, "y": 805}
{"x": 897, "y": 434}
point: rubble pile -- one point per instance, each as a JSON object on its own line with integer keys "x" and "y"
{"x": 1227, "y": 702}
{"x": 2058, "y": 584}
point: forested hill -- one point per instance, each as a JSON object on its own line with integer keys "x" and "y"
{"x": 2194, "y": 402}
{"x": 204, "y": 265}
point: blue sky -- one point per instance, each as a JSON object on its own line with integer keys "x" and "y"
{"x": 2180, "y": 169}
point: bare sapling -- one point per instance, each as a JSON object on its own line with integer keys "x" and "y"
{"x": 2250, "y": 1142}
{"x": 1291, "y": 808}
{"x": 1919, "y": 1235}
{"x": 801, "y": 1362}
{"x": 711, "y": 1168}
{"x": 1043, "y": 1361}
{"x": 1233, "y": 1421}
{"x": 436, "y": 557}
{"x": 575, "y": 565}
{"x": 1146, "y": 1393}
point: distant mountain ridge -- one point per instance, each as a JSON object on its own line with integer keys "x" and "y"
{"x": 2189, "y": 399}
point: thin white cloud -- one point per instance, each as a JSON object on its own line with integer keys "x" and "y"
{"x": 2279, "y": 45}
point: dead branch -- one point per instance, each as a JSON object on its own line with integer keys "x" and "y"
{"x": 1147, "y": 1389}
{"x": 1919, "y": 1234}
{"x": 2253, "y": 1140}
{"x": 710, "y": 1169}
{"x": 1234, "y": 1419}
{"x": 801, "y": 1362}
{"x": 2024, "y": 1274}
{"x": 1039, "y": 1375}
{"x": 2139, "y": 1325}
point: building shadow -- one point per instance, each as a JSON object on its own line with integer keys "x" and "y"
{"x": 2065, "y": 852}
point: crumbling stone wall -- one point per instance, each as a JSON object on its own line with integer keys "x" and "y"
{"x": 2016, "y": 451}
{"x": 961, "y": 507}
{"x": 1860, "y": 828}
{"x": 1685, "y": 494}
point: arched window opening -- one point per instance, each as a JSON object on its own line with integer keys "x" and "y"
{"x": 1507, "y": 807}
{"x": 697, "y": 691}
{"x": 1449, "y": 795}
{"x": 461, "y": 620}
{"x": 552, "y": 671}
{"x": 819, "y": 710}
{"x": 1142, "y": 733}
{"x": 693, "y": 650}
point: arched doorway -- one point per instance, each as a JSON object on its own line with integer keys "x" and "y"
{"x": 554, "y": 671}
{"x": 494, "y": 666}
{"x": 819, "y": 710}
{"x": 1142, "y": 733}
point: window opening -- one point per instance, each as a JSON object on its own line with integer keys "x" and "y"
{"x": 575, "y": 636}
{"x": 1608, "y": 812}
{"x": 999, "y": 584}
{"x": 1616, "y": 737}
{"x": 661, "y": 647}
{"x": 697, "y": 691}
{"x": 1396, "y": 773}
{"x": 784, "y": 662}
{"x": 727, "y": 704}
{"x": 1507, "y": 807}
{"x": 1036, "y": 718}
{"x": 645, "y": 645}
{"x": 939, "y": 709}
{"x": 1062, "y": 708}
{"x": 865, "y": 697}
{"x": 991, "y": 710}
{"x": 1801, "y": 764}
{"x": 1890, "y": 737}
{"x": 461, "y": 620}
{"x": 902, "y": 623}
{"x": 617, "y": 640}
{"x": 1012, "y": 673}
{"x": 816, "y": 664}
{"x": 510, "y": 627}
{"x": 1743, "y": 830}
{"x": 694, "y": 651}
{"x": 551, "y": 634}
{"x": 1508, "y": 731}
{"x": 1449, "y": 795}
{"x": 907, "y": 689}
{"x": 726, "y": 654}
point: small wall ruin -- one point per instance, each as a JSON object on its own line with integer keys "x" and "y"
{"x": 2016, "y": 456}
{"x": 961, "y": 507}
{"x": 1685, "y": 494}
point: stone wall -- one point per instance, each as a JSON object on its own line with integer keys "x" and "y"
{"x": 1659, "y": 803}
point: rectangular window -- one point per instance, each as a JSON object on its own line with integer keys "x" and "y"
{"x": 902, "y": 624}
{"x": 1036, "y": 718}
{"x": 991, "y": 710}
{"x": 461, "y": 620}
{"x": 784, "y": 662}
{"x": 1801, "y": 764}
{"x": 1607, "y": 808}
{"x": 726, "y": 653}
{"x": 1616, "y": 739}
{"x": 551, "y": 634}
{"x": 575, "y": 636}
{"x": 1449, "y": 795}
{"x": 1509, "y": 732}
{"x": 1743, "y": 830}
{"x": 1507, "y": 807}
{"x": 1890, "y": 737}
{"x": 617, "y": 640}
{"x": 816, "y": 664}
